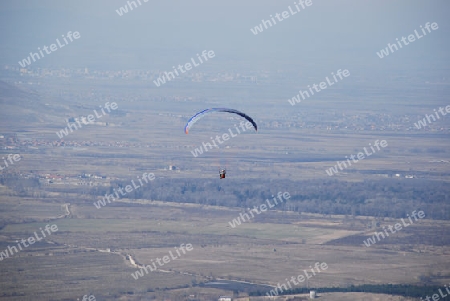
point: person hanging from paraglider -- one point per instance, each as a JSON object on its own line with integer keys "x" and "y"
{"x": 205, "y": 112}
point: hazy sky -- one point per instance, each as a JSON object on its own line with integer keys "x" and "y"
{"x": 161, "y": 33}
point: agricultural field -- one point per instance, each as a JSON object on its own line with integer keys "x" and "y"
{"x": 91, "y": 249}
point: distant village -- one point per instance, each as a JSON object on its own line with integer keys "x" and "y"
{"x": 331, "y": 121}
{"x": 147, "y": 75}
{"x": 11, "y": 142}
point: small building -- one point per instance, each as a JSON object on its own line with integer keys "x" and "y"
{"x": 225, "y": 298}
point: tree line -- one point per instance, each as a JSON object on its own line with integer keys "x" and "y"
{"x": 393, "y": 198}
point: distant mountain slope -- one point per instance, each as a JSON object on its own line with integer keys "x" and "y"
{"x": 18, "y": 107}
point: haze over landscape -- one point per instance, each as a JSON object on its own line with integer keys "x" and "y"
{"x": 341, "y": 192}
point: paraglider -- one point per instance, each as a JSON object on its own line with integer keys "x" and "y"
{"x": 203, "y": 113}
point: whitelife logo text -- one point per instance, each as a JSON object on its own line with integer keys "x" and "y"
{"x": 391, "y": 48}
{"x": 371, "y": 240}
{"x": 321, "y": 86}
{"x": 168, "y": 76}
{"x": 35, "y": 56}
{"x": 161, "y": 261}
{"x": 112, "y": 197}
{"x": 342, "y": 165}
{"x": 31, "y": 240}
{"x": 281, "y": 17}
{"x": 85, "y": 120}
{"x": 207, "y": 146}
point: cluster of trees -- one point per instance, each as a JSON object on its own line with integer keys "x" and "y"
{"x": 380, "y": 198}
{"x": 405, "y": 290}
{"x": 21, "y": 186}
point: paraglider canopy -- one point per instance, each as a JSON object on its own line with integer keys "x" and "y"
{"x": 203, "y": 113}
